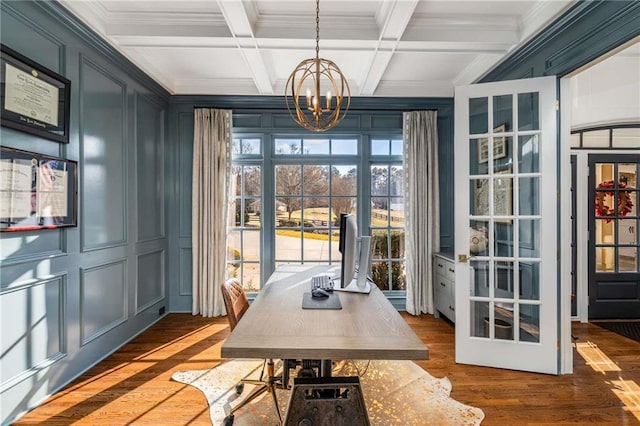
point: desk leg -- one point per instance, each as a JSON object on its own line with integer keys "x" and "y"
{"x": 325, "y": 368}
{"x": 326, "y": 401}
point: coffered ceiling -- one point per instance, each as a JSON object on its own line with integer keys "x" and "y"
{"x": 249, "y": 47}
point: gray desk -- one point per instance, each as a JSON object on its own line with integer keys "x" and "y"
{"x": 276, "y": 326}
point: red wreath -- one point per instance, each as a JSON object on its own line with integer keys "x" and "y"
{"x": 624, "y": 200}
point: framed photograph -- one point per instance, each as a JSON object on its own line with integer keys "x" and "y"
{"x": 502, "y": 196}
{"x": 499, "y": 146}
{"x": 36, "y": 191}
{"x": 34, "y": 99}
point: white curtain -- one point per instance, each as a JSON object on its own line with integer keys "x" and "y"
{"x": 210, "y": 199}
{"x": 422, "y": 206}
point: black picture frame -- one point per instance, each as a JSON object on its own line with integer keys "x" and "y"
{"x": 37, "y": 191}
{"x": 33, "y": 99}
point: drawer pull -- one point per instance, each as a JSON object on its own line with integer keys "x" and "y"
{"x": 452, "y": 308}
{"x": 440, "y": 265}
{"x": 442, "y": 284}
{"x": 452, "y": 270}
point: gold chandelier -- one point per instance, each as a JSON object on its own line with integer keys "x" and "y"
{"x": 319, "y": 113}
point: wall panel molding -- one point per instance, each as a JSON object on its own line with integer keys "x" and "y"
{"x": 43, "y": 336}
{"x": 150, "y": 285}
{"x": 186, "y": 272}
{"x": 103, "y": 299}
{"x": 99, "y": 157}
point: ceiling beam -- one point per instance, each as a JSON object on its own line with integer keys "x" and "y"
{"x": 397, "y": 16}
{"x": 239, "y": 24}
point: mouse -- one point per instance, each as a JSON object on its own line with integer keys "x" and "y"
{"x": 318, "y": 293}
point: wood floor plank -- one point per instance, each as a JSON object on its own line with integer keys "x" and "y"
{"x": 133, "y": 385}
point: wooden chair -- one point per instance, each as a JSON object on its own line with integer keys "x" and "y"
{"x": 236, "y": 304}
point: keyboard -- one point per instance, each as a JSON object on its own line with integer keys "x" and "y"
{"x": 322, "y": 281}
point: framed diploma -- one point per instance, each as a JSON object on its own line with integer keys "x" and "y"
{"x": 36, "y": 191}
{"x": 34, "y": 99}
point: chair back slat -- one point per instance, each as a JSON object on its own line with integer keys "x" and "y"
{"x": 235, "y": 301}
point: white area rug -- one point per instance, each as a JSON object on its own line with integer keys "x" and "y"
{"x": 395, "y": 392}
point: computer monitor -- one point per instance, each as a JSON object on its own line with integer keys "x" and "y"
{"x": 348, "y": 247}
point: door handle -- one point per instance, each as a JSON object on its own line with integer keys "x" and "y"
{"x": 463, "y": 258}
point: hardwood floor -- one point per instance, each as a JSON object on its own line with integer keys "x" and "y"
{"x": 132, "y": 386}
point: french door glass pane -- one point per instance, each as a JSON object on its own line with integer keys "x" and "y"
{"x": 529, "y": 280}
{"x": 479, "y": 193}
{"x": 479, "y": 326}
{"x": 528, "y": 161}
{"x": 502, "y": 192}
{"x": 478, "y": 156}
{"x": 503, "y": 279}
{"x": 252, "y": 178}
{"x": 503, "y": 113}
{"x": 478, "y": 115}
{"x": 528, "y": 112}
{"x": 479, "y": 278}
{"x": 503, "y": 239}
{"x": 502, "y": 154}
{"x": 605, "y": 259}
{"x": 627, "y": 259}
{"x": 479, "y": 237}
{"x": 503, "y": 320}
{"x": 529, "y": 237}
{"x": 530, "y": 323}
{"x": 528, "y": 197}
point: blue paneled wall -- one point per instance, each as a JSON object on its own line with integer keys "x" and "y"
{"x": 70, "y": 297}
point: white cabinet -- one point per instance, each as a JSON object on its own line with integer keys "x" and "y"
{"x": 444, "y": 274}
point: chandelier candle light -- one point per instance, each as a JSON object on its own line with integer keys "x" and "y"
{"x": 323, "y": 76}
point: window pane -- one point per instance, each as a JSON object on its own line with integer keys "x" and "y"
{"x": 251, "y": 277}
{"x": 379, "y": 180}
{"x": 529, "y": 236}
{"x": 479, "y": 319}
{"x": 396, "y": 186}
{"x": 316, "y": 179}
{"x": 397, "y": 147}
{"x": 288, "y": 211}
{"x": 575, "y": 140}
{"x": 396, "y": 210}
{"x": 288, "y": 246}
{"x": 316, "y": 212}
{"x": 252, "y": 180}
{"x": 344, "y": 180}
{"x": 397, "y": 244}
{"x": 626, "y": 137}
{"x": 380, "y": 212}
{"x": 288, "y": 146}
{"x": 316, "y": 146}
{"x": 252, "y": 208}
{"x": 627, "y": 259}
{"x": 530, "y": 281}
{"x": 342, "y": 205}
{"x": 379, "y": 147}
{"x": 380, "y": 244}
{"x": 595, "y": 139}
{"x": 288, "y": 180}
{"x": 380, "y": 275}
{"x": 344, "y": 147}
{"x": 398, "y": 277}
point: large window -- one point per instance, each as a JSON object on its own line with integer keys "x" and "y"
{"x": 290, "y": 191}
{"x": 387, "y": 214}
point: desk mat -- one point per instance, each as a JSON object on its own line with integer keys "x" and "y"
{"x": 331, "y": 302}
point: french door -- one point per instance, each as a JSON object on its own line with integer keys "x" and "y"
{"x": 614, "y": 275}
{"x": 506, "y": 225}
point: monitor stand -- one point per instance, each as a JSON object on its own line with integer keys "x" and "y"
{"x": 357, "y": 285}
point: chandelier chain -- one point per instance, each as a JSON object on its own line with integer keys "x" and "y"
{"x": 317, "y": 29}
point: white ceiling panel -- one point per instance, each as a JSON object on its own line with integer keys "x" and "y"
{"x": 249, "y": 47}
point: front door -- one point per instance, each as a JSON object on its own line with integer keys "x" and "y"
{"x": 614, "y": 281}
{"x": 506, "y": 229}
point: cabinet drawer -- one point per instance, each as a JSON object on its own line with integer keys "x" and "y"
{"x": 444, "y": 267}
